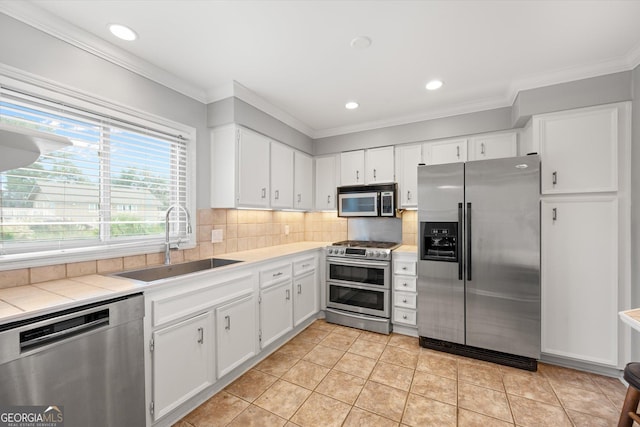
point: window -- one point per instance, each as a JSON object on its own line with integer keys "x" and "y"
{"x": 111, "y": 188}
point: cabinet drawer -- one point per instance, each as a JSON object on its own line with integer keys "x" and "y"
{"x": 405, "y": 299}
{"x": 401, "y": 315}
{"x": 303, "y": 266}
{"x": 404, "y": 283}
{"x": 172, "y": 307}
{"x": 404, "y": 267}
{"x": 274, "y": 275}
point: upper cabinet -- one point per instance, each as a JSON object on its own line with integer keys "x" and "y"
{"x": 448, "y": 151}
{"x": 326, "y": 183}
{"x": 302, "y": 181}
{"x": 379, "y": 165}
{"x": 281, "y": 176}
{"x": 407, "y": 159}
{"x": 578, "y": 150}
{"x": 251, "y": 171}
{"x": 493, "y": 146}
{"x": 370, "y": 166}
{"x": 352, "y": 167}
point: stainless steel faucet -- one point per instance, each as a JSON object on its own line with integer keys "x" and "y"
{"x": 167, "y": 256}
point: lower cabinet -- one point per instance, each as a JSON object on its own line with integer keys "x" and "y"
{"x": 305, "y": 297}
{"x": 580, "y": 278}
{"x": 182, "y": 362}
{"x": 404, "y": 291}
{"x": 235, "y": 333}
{"x": 276, "y": 312}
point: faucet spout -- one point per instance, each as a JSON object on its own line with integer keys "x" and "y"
{"x": 167, "y": 255}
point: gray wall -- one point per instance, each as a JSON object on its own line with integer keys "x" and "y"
{"x": 234, "y": 110}
{"x": 36, "y": 52}
{"x": 635, "y": 206}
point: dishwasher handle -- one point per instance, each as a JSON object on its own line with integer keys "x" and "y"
{"x": 62, "y": 329}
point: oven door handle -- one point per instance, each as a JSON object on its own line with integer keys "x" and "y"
{"x": 364, "y": 287}
{"x": 358, "y": 263}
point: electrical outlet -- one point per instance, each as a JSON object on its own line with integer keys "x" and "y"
{"x": 216, "y": 236}
{"x": 286, "y": 230}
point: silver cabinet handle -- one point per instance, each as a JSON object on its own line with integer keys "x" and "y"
{"x": 299, "y": 288}
{"x": 299, "y": 198}
{"x": 264, "y": 193}
{"x": 554, "y": 178}
{"x": 278, "y": 274}
{"x": 408, "y": 194}
{"x": 374, "y": 174}
{"x": 329, "y": 199}
{"x": 277, "y": 194}
{"x": 227, "y": 319}
{"x": 404, "y": 268}
{"x": 287, "y": 294}
{"x": 200, "y": 335}
{"x": 458, "y": 151}
{"x": 482, "y": 148}
{"x": 554, "y": 214}
{"x": 357, "y": 175}
{"x": 305, "y": 265}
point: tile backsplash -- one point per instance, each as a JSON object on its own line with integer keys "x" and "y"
{"x": 241, "y": 230}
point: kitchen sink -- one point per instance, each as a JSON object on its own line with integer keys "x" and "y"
{"x": 160, "y": 272}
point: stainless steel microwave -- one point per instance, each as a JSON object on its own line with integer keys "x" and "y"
{"x": 367, "y": 200}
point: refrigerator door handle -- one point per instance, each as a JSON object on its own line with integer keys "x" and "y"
{"x": 459, "y": 241}
{"x": 468, "y": 242}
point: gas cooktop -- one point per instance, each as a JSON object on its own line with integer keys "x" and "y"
{"x": 363, "y": 249}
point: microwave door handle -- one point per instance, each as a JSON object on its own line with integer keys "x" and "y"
{"x": 459, "y": 241}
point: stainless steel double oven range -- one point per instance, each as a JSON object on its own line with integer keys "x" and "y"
{"x": 359, "y": 284}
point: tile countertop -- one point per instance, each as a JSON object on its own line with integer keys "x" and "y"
{"x": 23, "y": 302}
{"x": 631, "y": 318}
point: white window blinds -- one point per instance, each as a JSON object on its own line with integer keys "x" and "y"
{"x": 112, "y": 186}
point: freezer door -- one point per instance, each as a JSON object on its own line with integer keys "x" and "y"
{"x": 440, "y": 283}
{"x": 502, "y": 212}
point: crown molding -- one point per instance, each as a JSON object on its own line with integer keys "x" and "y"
{"x": 42, "y": 20}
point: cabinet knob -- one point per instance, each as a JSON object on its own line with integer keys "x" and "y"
{"x": 404, "y": 300}
{"x": 404, "y": 284}
{"x": 404, "y": 268}
{"x": 404, "y": 316}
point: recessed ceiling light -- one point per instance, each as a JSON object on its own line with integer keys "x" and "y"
{"x": 361, "y": 42}
{"x": 351, "y": 105}
{"x": 123, "y": 32}
{"x": 434, "y": 84}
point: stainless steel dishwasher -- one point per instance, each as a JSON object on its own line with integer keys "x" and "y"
{"x": 89, "y": 359}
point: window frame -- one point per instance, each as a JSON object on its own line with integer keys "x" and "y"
{"x": 110, "y": 109}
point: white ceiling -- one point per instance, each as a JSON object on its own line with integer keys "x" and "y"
{"x": 296, "y": 55}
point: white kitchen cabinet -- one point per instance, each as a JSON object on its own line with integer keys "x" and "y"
{"x": 580, "y": 278}
{"x": 407, "y": 159}
{"x": 281, "y": 176}
{"x": 579, "y": 150}
{"x": 305, "y": 289}
{"x": 182, "y": 360}
{"x": 449, "y": 151}
{"x": 326, "y": 183}
{"x": 235, "y": 333}
{"x": 253, "y": 179}
{"x": 493, "y": 146}
{"x": 303, "y": 181}
{"x": 405, "y": 308}
{"x": 352, "y": 167}
{"x": 379, "y": 165}
{"x": 276, "y": 312}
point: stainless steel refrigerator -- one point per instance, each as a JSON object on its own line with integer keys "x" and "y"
{"x": 479, "y": 259}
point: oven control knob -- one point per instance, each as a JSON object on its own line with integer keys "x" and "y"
{"x": 341, "y": 251}
{"x": 384, "y": 255}
{"x": 378, "y": 254}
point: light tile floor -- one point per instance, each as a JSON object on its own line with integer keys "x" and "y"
{"x": 330, "y": 375}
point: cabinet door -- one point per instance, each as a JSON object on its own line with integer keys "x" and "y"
{"x": 579, "y": 150}
{"x": 325, "y": 183}
{"x": 235, "y": 333}
{"x": 281, "y": 176}
{"x": 379, "y": 164}
{"x": 493, "y": 146}
{"x": 352, "y": 167}
{"x": 580, "y": 278}
{"x": 451, "y": 151}
{"x": 407, "y": 159}
{"x": 276, "y": 312}
{"x": 305, "y": 297}
{"x": 303, "y": 182}
{"x": 253, "y": 170}
{"x": 182, "y": 362}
